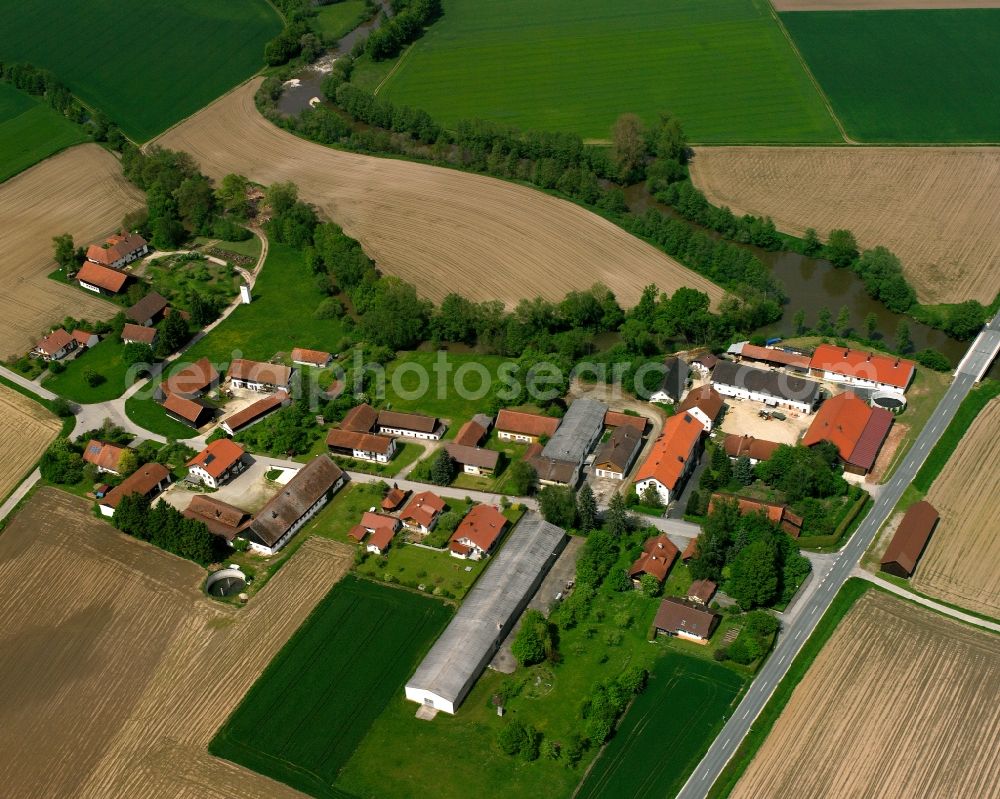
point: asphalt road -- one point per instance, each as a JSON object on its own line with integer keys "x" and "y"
{"x": 795, "y": 634}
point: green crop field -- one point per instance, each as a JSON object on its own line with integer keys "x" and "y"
{"x": 907, "y": 76}
{"x": 316, "y": 700}
{"x": 30, "y": 131}
{"x": 724, "y": 68}
{"x": 146, "y": 63}
{"x": 680, "y": 712}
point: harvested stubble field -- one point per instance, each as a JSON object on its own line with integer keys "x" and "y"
{"x": 960, "y": 564}
{"x": 441, "y": 229}
{"x": 119, "y": 669}
{"x": 26, "y": 429}
{"x": 900, "y": 702}
{"x": 937, "y": 208}
{"x": 80, "y": 191}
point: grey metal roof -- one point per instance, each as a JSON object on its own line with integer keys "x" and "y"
{"x": 489, "y": 610}
{"x": 582, "y": 424}
{"x": 774, "y": 383}
{"x": 675, "y": 377}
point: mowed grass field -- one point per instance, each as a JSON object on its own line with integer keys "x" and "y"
{"x": 145, "y": 63}
{"x": 679, "y": 713}
{"x": 307, "y": 713}
{"x": 724, "y": 68}
{"x": 30, "y": 131}
{"x": 907, "y": 76}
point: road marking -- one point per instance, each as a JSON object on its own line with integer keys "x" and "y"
{"x": 747, "y": 713}
{"x": 813, "y": 610}
{"x": 798, "y": 635}
{"x": 703, "y": 776}
{"x": 724, "y": 745}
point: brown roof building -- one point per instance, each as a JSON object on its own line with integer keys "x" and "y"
{"x": 138, "y": 334}
{"x": 306, "y": 357}
{"x": 189, "y": 411}
{"x": 106, "y": 281}
{"x": 104, "y": 456}
{"x": 147, "y": 480}
{"x": 549, "y": 470}
{"x": 478, "y": 532}
{"x": 393, "y": 499}
{"x": 475, "y": 458}
{"x": 756, "y": 449}
{"x": 84, "y": 338}
{"x": 618, "y": 419}
{"x": 360, "y": 419}
{"x": 615, "y": 456}
{"x": 409, "y": 424}
{"x": 55, "y": 345}
{"x": 220, "y": 459}
{"x": 347, "y": 442}
{"x": 525, "y": 426}
{"x": 470, "y": 434}
{"x": 701, "y": 591}
{"x": 258, "y": 375}
{"x": 422, "y": 510}
{"x": 704, "y": 403}
{"x": 117, "y": 249}
{"x": 658, "y": 555}
{"x": 191, "y": 381}
{"x": 219, "y": 517}
{"x": 148, "y": 309}
{"x": 254, "y": 413}
{"x": 780, "y": 515}
{"x": 685, "y": 620}
{"x": 854, "y": 427}
{"x": 776, "y": 357}
{"x": 910, "y": 540}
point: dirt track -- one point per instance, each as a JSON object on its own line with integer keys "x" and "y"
{"x": 937, "y": 208}
{"x": 901, "y": 702}
{"x": 961, "y": 562}
{"x": 118, "y": 670}
{"x": 874, "y": 5}
{"x": 440, "y": 229}
{"x": 80, "y": 191}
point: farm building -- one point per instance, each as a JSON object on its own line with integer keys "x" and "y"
{"x": 138, "y": 334}
{"x": 259, "y": 376}
{"x": 316, "y": 358}
{"x": 474, "y": 431}
{"x": 704, "y": 364}
{"x": 191, "y": 412}
{"x": 756, "y": 449}
{"x": 300, "y": 499}
{"x": 910, "y": 540}
{"x": 549, "y": 470}
{"x": 615, "y": 456}
{"x": 148, "y": 480}
{"x": 580, "y": 428}
{"x": 100, "y": 279}
{"x": 772, "y": 356}
{"x": 252, "y": 414}
{"x": 149, "y": 310}
{"x": 686, "y": 620}
{"x": 422, "y": 511}
{"x": 490, "y": 609}
{"x": 360, "y": 419}
{"x": 366, "y": 446}
{"x": 191, "y": 381}
{"x": 393, "y": 498}
{"x": 118, "y": 250}
{"x": 701, "y": 592}
{"x": 104, "y": 456}
{"x": 411, "y": 425}
{"x": 778, "y": 514}
{"x": 770, "y": 387}
{"x": 524, "y": 427}
{"x": 690, "y": 550}
{"x": 705, "y": 404}
{"x": 658, "y": 555}
{"x": 674, "y": 383}
{"x": 863, "y": 369}
{"x": 85, "y": 339}
{"x": 854, "y": 427}
{"x": 474, "y": 460}
{"x": 619, "y": 419}
{"x": 55, "y": 346}
{"x": 478, "y": 533}
{"x": 221, "y": 518}
{"x": 218, "y": 463}
{"x": 674, "y": 455}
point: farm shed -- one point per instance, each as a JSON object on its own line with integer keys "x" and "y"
{"x": 860, "y": 368}
{"x": 191, "y": 381}
{"x": 360, "y": 419}
{"x": 911, "y": 538}
{"x": 100, "y": 279}
{"x": 474, "y": 460}
{"x": 252, "y": 414}
{"x": 411, "y": 425}
{"x": 259, "y": 376}
{"x": 456, "y": 660}
{"x": 148, "y": 480}
{"x": 219, "y": 517}
{"x": 523, "y": 426}
{"x": 580, "y": 428}
{"x": 771, "y": 388}
{"x": 756, "y": 449}
{"x": 148, "y": 310}
{"x": 854, "y": 427}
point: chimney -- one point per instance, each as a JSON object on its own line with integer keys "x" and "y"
{"x": 896, "y": 363}
{"x": 846, "y": 353}
{"x": 869, "y": 356}
{"x": 680, "y": 459}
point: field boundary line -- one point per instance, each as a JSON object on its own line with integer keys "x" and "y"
{"x": 812, "y": 78}
{"x": 395, "y": 67}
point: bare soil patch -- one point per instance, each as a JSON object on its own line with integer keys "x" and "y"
{"x": 81, "y": 191}
{"x": 876, "y": 5}
{"x": 439, "y": 229}
{"x": 887, "y": 454}
{"x": 937, "y": 208}
{"x": 741, "y": 418}
{"x": 961, "y": 562}
{"x": 119, "y": 669}
{"x": 26, "y": 429}
{"x": 901, "y": 702}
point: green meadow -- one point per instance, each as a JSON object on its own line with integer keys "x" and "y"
{"x": 30, "y": 131}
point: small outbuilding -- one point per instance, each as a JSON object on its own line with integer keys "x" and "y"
{"x": 910, "y": 540}
{"x": 685, "y": 620}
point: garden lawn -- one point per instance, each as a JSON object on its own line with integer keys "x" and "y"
{"x": 316, "y": 700}
{"x": 907, "y": 76}
{"x": 344, "y": 511}
{"x": 680, "y": 712}
{"x": 177, "y": 277}
{"x": 145, "y": 63}
{"x": 106, "y": 359}
{"x": 30, "y": 131}
{"x": 724, "y": 68}
{"x": 337, "y": 19}
{"x": 149, "y": 414}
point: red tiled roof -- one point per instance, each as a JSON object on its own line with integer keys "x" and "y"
{"x": 704, "y": 398}
{"x": 141, "y": 481}
{"x": 357, "y": 532}
{"x": 218, "y": 457}
{"x": 526, "y": 424}
{"x": 105, "y": 456}
{"x": 367, "y": 442}
{"x": 777, "y": 514}
{"x": 376, "y": 521}
{"x": 690, "y": 550}
{"x": 658, "y": 555}
{"x": 855, "y": 428}
{"x": 459, "y": 549}
{"x": 83, "y": 337}
{"x": 56, "y": 340}
{"x": 470, "y": 434}
{"x": 185, "y": 408}
{"x": 115, "y": 248}
{"x": 756, "y": 448}
{"x": 360, "y": 419}
{"x": 671, "y": 450}
{"x": 393, "y": 498}
{"x": 140, "y": 333}
{"x": 910, "y": 539}
{"x": 255, "y": 411}
{"x": 770, "y": 355}
{"x": 274, "y": 374}
{"x": 313, "y": 357}
{"x": 423, "y": 507}
{"x": 887, "y": 369}
{"x": 616, "y": 419}
{"x": 381, "y": 538}
{"x": 400, "y": 420}
{"x": 482, "y": 526}
{"x": 192, "y": 379}
{"x": 102, "y": 277}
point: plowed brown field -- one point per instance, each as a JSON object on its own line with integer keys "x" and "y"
{"x": 962, "y": 561}
{"x": 937, "y": 208}
{"x": 26, "y": 429}
{"x": 80, "y": 191}
{"x": 901, "y": 702}
{"x": 440, "y": 229}
{"x": 118, "y": 670}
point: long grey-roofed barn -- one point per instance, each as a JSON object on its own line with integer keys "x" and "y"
{"x": 456, "y": 660}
